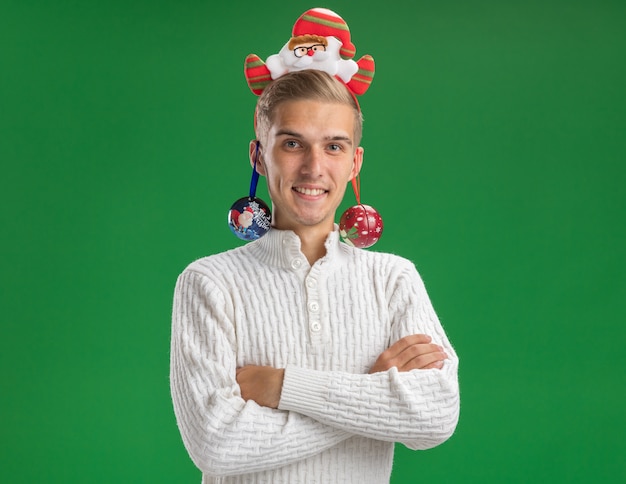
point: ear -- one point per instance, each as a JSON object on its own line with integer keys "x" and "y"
{"x": 256, "y": 152}
{"x": 357, "y": 162}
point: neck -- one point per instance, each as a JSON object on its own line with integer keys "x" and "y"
{"x": 312, "y": 244}
{"x": 312, "y": 237}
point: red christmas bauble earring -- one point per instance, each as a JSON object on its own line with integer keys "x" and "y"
{"x": 360, "y": 225}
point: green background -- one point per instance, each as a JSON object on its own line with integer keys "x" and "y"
{"x": 495, "y": 151}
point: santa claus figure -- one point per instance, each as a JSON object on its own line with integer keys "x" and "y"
{"x": 320, "y": 40}
{"x": 312, "y": 52}
{"x": 244, "y": 220}
{"x": 249, "y": 218}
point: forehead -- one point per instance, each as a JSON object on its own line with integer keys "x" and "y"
{"x": 313, "y": 116}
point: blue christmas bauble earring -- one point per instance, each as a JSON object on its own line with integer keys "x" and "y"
{"x": 249, "y": 218}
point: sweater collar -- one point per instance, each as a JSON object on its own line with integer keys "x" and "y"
{"x": 282, "y": 248}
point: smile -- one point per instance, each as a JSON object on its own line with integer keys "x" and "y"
{"x": 309, "y": 191}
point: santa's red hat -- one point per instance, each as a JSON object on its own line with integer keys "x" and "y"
{"x": 326, "y": 23}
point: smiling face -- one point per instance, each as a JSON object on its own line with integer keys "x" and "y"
{"x": 308, "y": 156}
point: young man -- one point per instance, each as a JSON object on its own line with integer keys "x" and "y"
{"x": 298, "y": 358}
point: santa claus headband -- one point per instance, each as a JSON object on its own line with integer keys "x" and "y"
{"x": 320, "y": 40}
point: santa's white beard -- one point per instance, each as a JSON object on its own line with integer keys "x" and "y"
{"x": 322, "y": 61}
{"x": 328, "y": 61}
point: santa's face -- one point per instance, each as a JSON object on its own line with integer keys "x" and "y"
{"x": 308, "y": 158}
{"x": 312, "y": 55}
{"x": 245, "y": 219}
{"x": 301, "y": 50}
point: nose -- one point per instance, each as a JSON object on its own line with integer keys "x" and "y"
{"x": 310, "y": 52}
{"x": 313, "y": 162}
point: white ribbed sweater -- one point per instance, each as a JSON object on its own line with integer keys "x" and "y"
{"x": 263, "y": 304}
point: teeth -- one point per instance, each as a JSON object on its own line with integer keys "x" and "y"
{"x": 309, "y": 191}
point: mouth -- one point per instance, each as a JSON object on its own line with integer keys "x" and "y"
{"x": 309, "y": 192}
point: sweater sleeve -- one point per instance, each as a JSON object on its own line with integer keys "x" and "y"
{"x": 223, "y": 434}
{"x": 419, "y": 408}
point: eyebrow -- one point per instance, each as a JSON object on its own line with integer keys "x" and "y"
{"x": 286, "y": 132}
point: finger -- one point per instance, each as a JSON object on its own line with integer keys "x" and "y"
{"x": 413, "y": 339}
{"x": 415, "y": 351}
{"x": 403, "y": 351}
{"x": 423, "y": 361}
{"x": 437, "y": 365}
{"x": 407, "y": 342}
{"x": 415, "y": 356}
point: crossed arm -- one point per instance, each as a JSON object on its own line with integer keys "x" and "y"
{"x": 263, "y": 384}
{"x": 227, "y": 415}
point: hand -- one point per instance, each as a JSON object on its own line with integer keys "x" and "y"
{"x": 413, "y": 352}
{"x": 263, "y": 384}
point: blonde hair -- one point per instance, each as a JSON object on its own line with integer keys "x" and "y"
{"x": 309, "y": 84}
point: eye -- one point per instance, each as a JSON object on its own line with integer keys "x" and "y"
{"x": 334, "y": 147}
{"x": 291, "y": 144}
